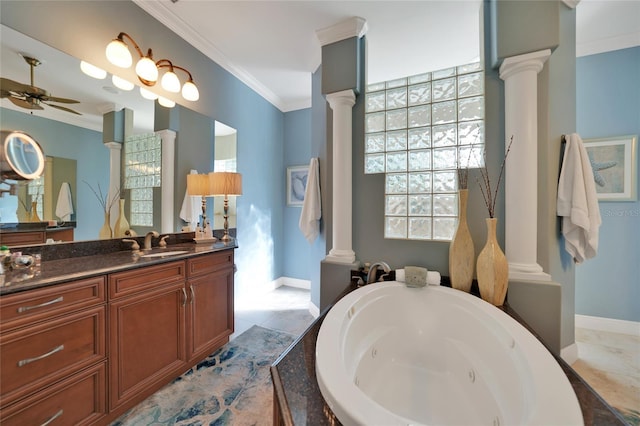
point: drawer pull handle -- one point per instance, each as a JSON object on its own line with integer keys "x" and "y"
{"x": 52, "y": 418}
{"x": 193, "y": 294}
{"x": 184, "y": 293}
{"x": 24, "y": 362}
{"x": 22, "y": 309}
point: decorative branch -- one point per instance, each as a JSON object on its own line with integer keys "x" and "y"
{"x": 103, "y": 198}
{"x": 488, "y": 195}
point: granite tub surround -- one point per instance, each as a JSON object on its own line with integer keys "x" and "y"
{"x": 298, "y": 401}
{"x": 70, "y": 261}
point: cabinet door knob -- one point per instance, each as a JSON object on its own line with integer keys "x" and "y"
{"x": 22, "y": 309}
{"x": 26, "y": 361}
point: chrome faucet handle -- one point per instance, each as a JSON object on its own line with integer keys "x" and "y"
{"x": 163, "y": 242}
{"x": 134, "y": 244}
{"x": 373, "y": 271}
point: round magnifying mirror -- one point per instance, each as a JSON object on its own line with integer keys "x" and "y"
{"x": 20, "y": 156}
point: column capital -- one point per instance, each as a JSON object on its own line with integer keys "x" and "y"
{"x": 533, "y": 61}
{"x": 571, "y": 4}
{"x": 352, "y": 27}
{"x": 166, "y": 134}
{"x": 113, "y": 145}
{"x": 344, "y": 97}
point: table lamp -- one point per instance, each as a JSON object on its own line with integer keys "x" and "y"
{"x": 198, "y": 185}
{"x": 225, "y": 183}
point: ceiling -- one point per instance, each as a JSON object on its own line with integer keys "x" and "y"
{"x": 272, "y": 46}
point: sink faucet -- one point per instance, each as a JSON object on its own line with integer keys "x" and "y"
{"x": 147, "y": 239}
{"x": 373, "y": 271}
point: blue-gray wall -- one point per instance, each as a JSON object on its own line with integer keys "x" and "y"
{"x": 608, "y": 105}
{"x": 63, "y": 140}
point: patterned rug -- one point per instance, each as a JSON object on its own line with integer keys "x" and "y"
{"x": 231, "y": 386}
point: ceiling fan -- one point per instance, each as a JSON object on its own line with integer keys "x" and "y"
{"x": 30, "y": 96}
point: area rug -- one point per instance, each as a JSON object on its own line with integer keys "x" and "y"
{"x": 232, "y": 386}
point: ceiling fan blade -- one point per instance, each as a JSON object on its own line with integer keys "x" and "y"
{"x": 24, "y": 104}
{"x": 61, "y": 100}
{"x": 13, "y": 86}
{"x": 62, "y": 108}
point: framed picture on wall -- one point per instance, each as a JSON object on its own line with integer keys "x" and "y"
{"x": 614, "y": 162}
{"x": 296, "y": 184}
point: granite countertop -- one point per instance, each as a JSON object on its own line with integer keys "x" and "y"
{"x": 297, "y": 393}
{"x": 55, "y": 271}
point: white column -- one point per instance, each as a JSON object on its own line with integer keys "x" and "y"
{"x": 115, "y": 152}
{"x": 342, "y": 103}
{"x": 167, "y": 176}
{"x": 520, "y": 75}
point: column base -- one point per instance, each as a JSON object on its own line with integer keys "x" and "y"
{"x": 527, "y": 271}
{"x": 341, "y": 256}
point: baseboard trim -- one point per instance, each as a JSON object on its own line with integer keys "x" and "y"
{"x": 608, "y": 324}
{"x": 569, "y": 353}
{"x": 314, "y": 310}
{"x": 292, "y": 282}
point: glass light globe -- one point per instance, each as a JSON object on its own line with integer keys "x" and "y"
{"x": 92, "y": 70}
{"x": 190, "y": 91}
{"x": 146, "y": 69}
{"x": 121, "y": 83}
{"x": 170, "y": 82}
{"x": 147, "y": 94}
{"x": 168, "y": 103}
{"x": 118, "y": 54}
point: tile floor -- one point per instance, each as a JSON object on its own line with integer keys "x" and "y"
{"x": 610, "y": 363}
{"x": 284, "y": 309}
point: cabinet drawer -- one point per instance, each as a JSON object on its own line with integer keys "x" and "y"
{"x": 129, "y": 282}
{"x": 33, "y": 305}
{"x": 33, "y": 357}
{"x": 78, "y": 400}
{"x": 210, "y": 263}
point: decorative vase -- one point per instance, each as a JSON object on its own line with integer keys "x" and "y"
{"x": 34, "y": 212}
{"x": 105, "y": 231}
{"x": 122, "y": 225}
{"x": 461, "y": 251}
{"x": 492, "y": 267}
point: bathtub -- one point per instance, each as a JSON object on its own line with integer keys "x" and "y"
{"x": 387, "y": 354}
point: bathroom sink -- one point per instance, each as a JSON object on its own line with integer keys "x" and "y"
{"x": 165, "y": 253}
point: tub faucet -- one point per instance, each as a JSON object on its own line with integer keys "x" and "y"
{"x": 147, "y": 239}
{"x": 373, "y": 271}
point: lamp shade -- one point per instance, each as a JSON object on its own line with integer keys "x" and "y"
{"x": 167, "y": 103}
{"x": 147, "y": 94}
{"x": 190, "y": 91}
{"x": 225, "y": 183}
{"x": 118, "y": 54}
{"x": 146, "y": 69}
{"x": 170, "y": 82}
{"x": 198, "y": 184}
{"x": 121, "y": 83}
{"x": 92, "y": 70}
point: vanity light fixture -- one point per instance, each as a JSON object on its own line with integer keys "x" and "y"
{"x": 147, "y": 70}
{"x": 167, "y": 103}
{"x": 93, "y": 71}
{"x": 148, "y": 94}
{"x": 225, "y": 183}
{"x": 121, "y": 83}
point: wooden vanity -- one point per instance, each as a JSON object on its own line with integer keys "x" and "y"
{"x": 86, "y": 350}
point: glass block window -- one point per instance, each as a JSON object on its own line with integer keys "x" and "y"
{"x": 418, "y": 131}
{"x": 142, "y": 167}
{"x": 35, "y": 189}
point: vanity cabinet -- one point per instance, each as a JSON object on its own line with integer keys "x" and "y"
{"x": 53, "y": 354}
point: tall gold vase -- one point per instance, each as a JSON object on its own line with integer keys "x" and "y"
{"x": 122, "y": 225}
{"x": 34, "y": 212}
{"x": 492, "y": 267}
{"x": 461, "y": 250}
{"x": 105, "y": 231}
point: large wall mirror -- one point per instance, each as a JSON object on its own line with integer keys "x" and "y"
{"x": 78, "y": 139}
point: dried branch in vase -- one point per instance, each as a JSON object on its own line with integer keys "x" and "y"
{"x": 489, "y": 196}
{"x": 103, "y": 198}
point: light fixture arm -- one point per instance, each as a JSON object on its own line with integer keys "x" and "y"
{"x": 161, "y": 64}
{"x": 135, "y": 45}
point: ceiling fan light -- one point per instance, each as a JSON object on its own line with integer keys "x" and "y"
{"x": 147, "y": 94}
{"x": 170, "y": 82}
{"x": 168, "y": 103}
{"x": 92, "y": 70}
{"x": 121, "y": 83}
{"x": 146, "y": 69}
{"x": 118, "y": 54}
{"x": 190, "y": 91}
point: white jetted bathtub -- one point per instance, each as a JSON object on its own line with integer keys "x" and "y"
{"x": 387, "y": 354}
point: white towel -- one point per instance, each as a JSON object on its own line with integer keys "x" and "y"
{"x": 64, "y": 206}
{"x": 311, "y": 207}
{"x": 191, "y": 208}
{"x": 433, "y": 277}
{"x": 578, "y": 202}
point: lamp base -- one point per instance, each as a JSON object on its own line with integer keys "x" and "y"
{"x": 205, "y": 240}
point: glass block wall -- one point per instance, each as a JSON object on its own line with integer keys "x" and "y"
{"x": 143, "y": 160}
{"x": 418, "y": 131}
{"x": 35, "y": 189}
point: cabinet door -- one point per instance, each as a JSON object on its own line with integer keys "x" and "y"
{"x": 147, "y": 341}
{"x": 210, "y": 312}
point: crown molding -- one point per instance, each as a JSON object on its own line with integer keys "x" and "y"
{"x": 608, "y": 44}
{"x": 352, "y": 27}
{"x": 571, "y": 4}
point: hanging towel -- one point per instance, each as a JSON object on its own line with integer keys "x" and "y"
{"x": 578, "y": 201}
{"x": 311, "y": 206}
{"x": 64, "y": 206}
{"x": 191, "y": 208}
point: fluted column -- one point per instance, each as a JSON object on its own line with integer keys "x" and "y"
{"x": 520, "y": 75}
{"x": 115, "y": 152}
{"x": 342, "y": 103}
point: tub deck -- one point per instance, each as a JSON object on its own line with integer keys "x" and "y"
{"x": 297, "y": 399}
